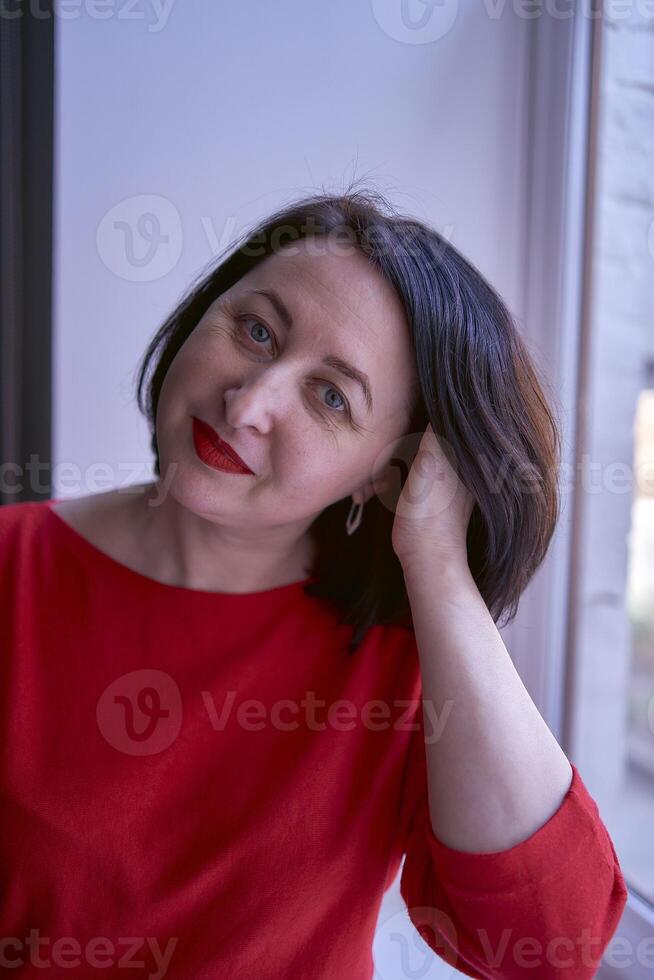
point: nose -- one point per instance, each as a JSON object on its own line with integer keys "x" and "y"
{"x": 258, "y": 399}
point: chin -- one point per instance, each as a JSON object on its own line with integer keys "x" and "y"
{"x": 191, "y": 485}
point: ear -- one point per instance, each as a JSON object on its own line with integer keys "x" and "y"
{"x": 379, "y": 484}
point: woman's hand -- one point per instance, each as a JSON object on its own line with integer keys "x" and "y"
{"x": 432, "y": 512}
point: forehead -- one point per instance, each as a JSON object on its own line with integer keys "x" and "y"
{"x": 334, "y": 288}
{"x": 342, "y": 306}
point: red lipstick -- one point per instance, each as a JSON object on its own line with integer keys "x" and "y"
{"x": 214, "y": 451}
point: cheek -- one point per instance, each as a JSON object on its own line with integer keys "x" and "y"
{"x": 201, "y": 356}
{"x": 196, "y": 369}
{"x": 314, "y": 469}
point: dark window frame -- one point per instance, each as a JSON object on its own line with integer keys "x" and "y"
{"x": 26, "y": 207}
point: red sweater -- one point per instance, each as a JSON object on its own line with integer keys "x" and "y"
{"x": 205, "y": 784}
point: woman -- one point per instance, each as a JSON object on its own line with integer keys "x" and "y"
{"x": 236, "y": 697}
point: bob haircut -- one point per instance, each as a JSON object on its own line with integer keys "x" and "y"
{"x": 476, "y": 385}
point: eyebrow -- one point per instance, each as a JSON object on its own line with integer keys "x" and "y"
{"x": 337, "y": 363}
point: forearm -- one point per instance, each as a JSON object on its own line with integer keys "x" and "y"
{"x": 495, "y": 771}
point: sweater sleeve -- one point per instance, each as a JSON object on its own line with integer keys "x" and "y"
{"x": 547, "y": 907}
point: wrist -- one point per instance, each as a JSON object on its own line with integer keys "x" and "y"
{"x": 441, "y": 573}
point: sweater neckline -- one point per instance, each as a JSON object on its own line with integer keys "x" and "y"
{"x": 90, "y": 551}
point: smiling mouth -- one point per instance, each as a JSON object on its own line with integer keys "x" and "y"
{"x": 214, "y": 451}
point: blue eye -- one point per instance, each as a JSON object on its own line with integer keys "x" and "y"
{"x": 253, "y": 320}
{"x": 331, "y": 388}
{"x": 344, "y": 410}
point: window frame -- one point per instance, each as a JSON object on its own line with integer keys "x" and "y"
{"x": 562, "y": 128}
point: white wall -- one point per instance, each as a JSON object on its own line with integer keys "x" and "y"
{"x": 225, "y": 111}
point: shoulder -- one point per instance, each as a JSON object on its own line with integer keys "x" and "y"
{"x": 21, "y": 526}
{"x": 17, "y": 519}
{"x": 104, "y": 519}
{"x": 96, "y": 517}
{"x": 91, "y": 512}
{"x": 24, "y": 521}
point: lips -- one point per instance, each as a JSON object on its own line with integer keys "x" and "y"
{"x": 210, "y": 435}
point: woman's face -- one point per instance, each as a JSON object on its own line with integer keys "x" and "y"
{"x": 307, "y": 431}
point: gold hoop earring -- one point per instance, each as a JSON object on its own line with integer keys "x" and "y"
{"x": 352, "y": 523}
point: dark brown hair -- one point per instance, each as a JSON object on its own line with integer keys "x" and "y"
{"x": 476, "y": 384}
